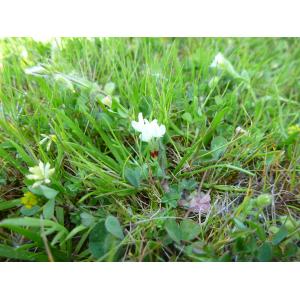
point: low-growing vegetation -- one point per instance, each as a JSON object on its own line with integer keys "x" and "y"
{"x": 149, "y": 149}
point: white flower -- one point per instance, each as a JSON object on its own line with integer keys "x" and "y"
{"x": 24, "y": 53}
{"x": 148, "y": 130}
{"x": 240, "y": 130}
{"x": 41, "y": 174}
{"x": 218, "y": 61}
{"x": 107, "y": 101}
{"x": 223, "y": 64}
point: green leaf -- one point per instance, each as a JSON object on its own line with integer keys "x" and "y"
{"x": 19, "y": 254}
{"x": 104, "y": 120}
{"x": 280, "y": 235}
{"x": 113, "y": 226}
{"x": 133, "y": 176}
{"x": 49, "y": 193}
{"x": 60, "y": 215}
{"x": 187, "y": 117}
{"x": 218, "y": 118}
{"x": 9, "y": 204}
{"x": 200, "y": 141}
{"x": 48, "y": 209}
{"x": 171, "y": 197}
{"x": 87, "y": 219}
{"x": 189, "y": 230}
{"x": 74, "y": 231}
{"x": 290, "y": 250}
{"x": 259, "y": 230}
{"x": 34, "y": 222}
{"x": 239, "y": 224}
{"x": 29, "y": 211}
{"x": 100, "y": 240}
{"x": 30, "y": 234}
{"x": 265, "y": 252}
{"x": 218, "y": 146}
{"x": 190, "y": 184}
{"x": 36, "y": 190}
{"x": 205, "y": 156}
{"x": 45, "y": 191}
{"x": 173, "y": 230}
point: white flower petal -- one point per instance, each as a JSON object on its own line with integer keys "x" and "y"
{"x": 219, "y": 60}
{"x": 51, "y": 172}
{"x": 40, "y": 173}
{"x": 146, "y": 136}
{"x": 139, "y": 126}
{"x": 33, "y": 177}
{"x": 149, "y": 130}
{"x": 107, "y": 101}
{"x": 46, "y": 170}
{"x": 41, "y": 165}
{"x": 162, "y": 129}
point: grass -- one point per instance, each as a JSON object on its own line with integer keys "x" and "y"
{"x": 108, "y": 199}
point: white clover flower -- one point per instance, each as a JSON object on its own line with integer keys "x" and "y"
{"x": 223, "y": 64}
{"x": 240, "y": 130}
{"x": 41, "y": 174}
{"x": 107, "y": 101}
{"x": 218, "y": 61}
{"x": 148, "y": 130}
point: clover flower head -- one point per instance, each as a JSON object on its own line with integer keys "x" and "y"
{"x": 148, "y": 130}
{"x": 240, "y": 130}
{"x": 218, "y": 61}
{"x": 223, "y": 64}
{"x": 107, "y": 101}
{"x": 41, "y": 174}
{"x": 29, "y": 200}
